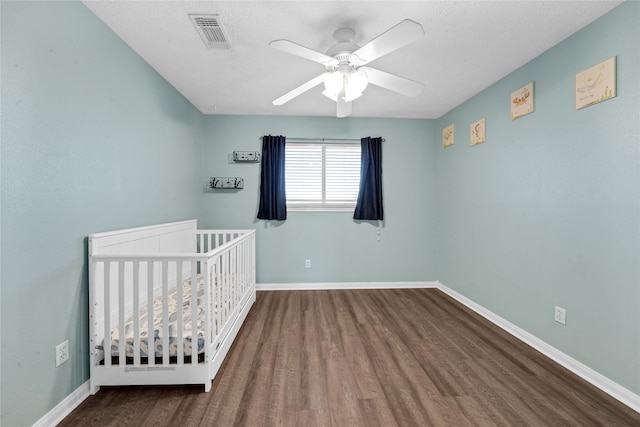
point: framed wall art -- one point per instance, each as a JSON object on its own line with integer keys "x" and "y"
{"x": 477, "y": 132}
{"x": 596, "y": 84}
{"x": 522, "y": 101}
{"x": 447, "y": 136}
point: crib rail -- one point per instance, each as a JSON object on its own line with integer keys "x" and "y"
{"x": 197, "y": 299}
{"x": 208, "y": 240}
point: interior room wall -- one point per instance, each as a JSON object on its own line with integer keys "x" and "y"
{"x": 340, "y": 249}
{"x": 93, "y": 140}
{"x": 545, "y": 212}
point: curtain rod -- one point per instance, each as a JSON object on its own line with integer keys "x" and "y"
{"x": 325, "y": 139}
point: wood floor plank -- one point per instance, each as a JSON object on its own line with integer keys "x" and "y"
{"x": 473, "y": 412}
{"x": 393, "y": 357}
{"x": 312, "y": 376}
{"x": 354, "y": 349}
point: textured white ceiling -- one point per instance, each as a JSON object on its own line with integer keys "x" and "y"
{"x": 468, "y": 46}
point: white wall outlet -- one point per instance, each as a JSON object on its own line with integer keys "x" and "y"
{"x": 62, "y": 353}
{"x": 560, "y": 315}
{"x": 307, "y": 263}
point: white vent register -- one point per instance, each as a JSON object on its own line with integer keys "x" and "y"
{"x": 211, "y": 31}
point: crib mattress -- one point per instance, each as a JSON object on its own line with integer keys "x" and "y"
{"x": 158, "y": 328}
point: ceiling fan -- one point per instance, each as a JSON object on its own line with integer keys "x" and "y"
{"x": 346, "y": 76}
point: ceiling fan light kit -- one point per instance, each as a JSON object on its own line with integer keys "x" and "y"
{"x": 345, "y": 78}
{"x": 351, "y": 83}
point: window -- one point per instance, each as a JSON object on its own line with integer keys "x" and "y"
{"x": 322, "y": 176}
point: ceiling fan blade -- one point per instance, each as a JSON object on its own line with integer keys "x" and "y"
{"x": 304, "y": 52}
{"x": 394, "y": 38}
{"x": 300, "y": 89}
{"x": 344, "y": 107}
{"x": 395, "y": 83}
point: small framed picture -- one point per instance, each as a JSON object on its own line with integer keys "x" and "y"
{"x": 596, "y": 84}
{"x": 447, "y": 136}
{"x": 522, "y": 101}
{"x": 477, "y": 132}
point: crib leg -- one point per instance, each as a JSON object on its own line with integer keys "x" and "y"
{"x": 207, "y": 387}
{"x": 93, "y": 389}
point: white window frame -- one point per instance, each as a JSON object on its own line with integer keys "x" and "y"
{"x": 352, "y": 176}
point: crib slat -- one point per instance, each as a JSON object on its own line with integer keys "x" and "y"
{"x": 220, "y": 290}
{"x": 216, "y": 294}
{"x": 245, "y": 265}
{"x": 107, "y": 313}
{"x": 222, "y": 293}
{"x": 165, "y": 312}
{"x": 225, "y": 280}
{"x": 245, "y": 269}
{"x": 151, "y": 348}
{"x": 194, "y": 312}
{"x": 229, "y": 279}
{"x": 121, "y": 297}
{"x": 179, "y": 291}
{"x": 136, "y": 313}
{"x": 234, "y": 274}
{"x": 208, "y": 309}
{"x": 240, "y": 269}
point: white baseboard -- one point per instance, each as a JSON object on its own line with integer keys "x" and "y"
{"x": 65, "y": 407}
{"x": 343, "y": 285}
{"x": 610, "y": 387}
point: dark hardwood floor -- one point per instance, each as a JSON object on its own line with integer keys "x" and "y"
{"x": 410, "y": 357}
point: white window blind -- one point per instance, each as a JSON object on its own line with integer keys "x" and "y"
{"x": 322, "y": 176}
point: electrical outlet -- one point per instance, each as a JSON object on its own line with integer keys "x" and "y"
{"x": 307, "y": 263}
{"x": 560, "y": 315}
{"x": 62, "y": 353}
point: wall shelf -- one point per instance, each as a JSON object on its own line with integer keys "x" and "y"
{"x": 246, "y": 156}
{"x": 226, "y": 183}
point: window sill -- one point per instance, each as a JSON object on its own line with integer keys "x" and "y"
{"x": 321, "y": 209}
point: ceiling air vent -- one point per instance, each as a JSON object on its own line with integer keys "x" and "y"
{"x": 211, "y": 31}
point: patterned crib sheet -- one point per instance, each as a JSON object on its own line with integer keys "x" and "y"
{"x": 173, "y": 324}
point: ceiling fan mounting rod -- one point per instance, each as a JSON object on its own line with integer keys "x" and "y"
{"x": 344, "y": 46}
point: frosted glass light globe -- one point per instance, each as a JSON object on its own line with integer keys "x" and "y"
{"x": 333, "y": 85}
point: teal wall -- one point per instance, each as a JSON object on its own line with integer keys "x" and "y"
{"x": 92, "y": 140}
{"x": 547, "y": 211}
{"x": 340, "y": 249}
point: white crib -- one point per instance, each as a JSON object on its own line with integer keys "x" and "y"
{"x": 143, "y": 284}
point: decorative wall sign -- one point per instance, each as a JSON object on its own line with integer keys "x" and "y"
{"x": 477, "y": 132}
{"x": 447, "y": 136}
{"x": 246, "y": 156}
{"x": 596, "y": 84}
{"x": 226, "y": 183}
{"x": 522, "y": 101}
